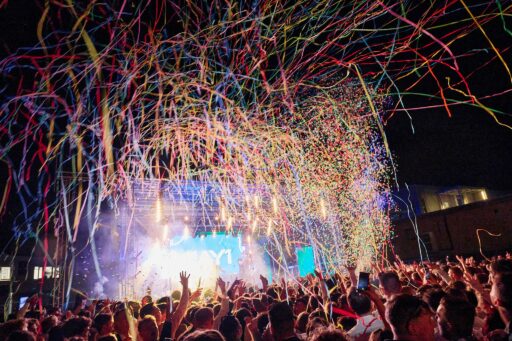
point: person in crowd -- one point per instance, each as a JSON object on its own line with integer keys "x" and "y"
{"x": 301, "y": 322}
{"x": 150, "y": 309}
{"x": 366, "y": 322}
{"x": 77, "y": 327}
{"x": 410, "y": 318}
{"x": 48, "y": 323}
{"x": 21, "y": 335}
{"x": 390, "y": 284}
{"x": 501, "y": 296}
{"x": 455, "y": 318}
{"x": 12, "y": 326}
{"x": 456, "y": 274}
{"x": 300, "y": 305}
{"x": 282, "y": 323}
{"x": 123, "y": 322}
{"x": 104, "y": 324}
{"x": 473, "y": 301}
{"x": 231, "y": 328}
{"x": 148, "y": 328}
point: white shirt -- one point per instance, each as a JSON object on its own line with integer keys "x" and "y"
{"x": 365, "y": 325}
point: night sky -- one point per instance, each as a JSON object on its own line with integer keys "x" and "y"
{"x": 469, "y": 148}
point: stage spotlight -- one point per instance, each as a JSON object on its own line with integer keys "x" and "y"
{"x": 165, "y": 229}
{"x": 323, "y": 209}
{"x": 158, "y": 213}
{"x": 256, "y": 201}
{"x": 222, "y": 213}
{"x": 186, "y": 232}
{"x": 274, "y": 204}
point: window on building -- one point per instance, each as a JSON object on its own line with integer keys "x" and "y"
{"x": 38, "y": 272}
{"x": 5, "y": 273}
{"x": 50, "y": 272}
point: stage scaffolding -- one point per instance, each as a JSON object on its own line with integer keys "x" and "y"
{"x": 194, "y": 203}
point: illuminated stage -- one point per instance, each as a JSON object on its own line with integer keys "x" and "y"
{"x": 166, "y": 228}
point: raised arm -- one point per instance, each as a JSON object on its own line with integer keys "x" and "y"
{"x": 28, "y": 304}
{"x": 323, "y": 288}
{"x": 376, "y": 299}
{"x": 264, "y": 282}
{"x": 352, "y": 275}
{"x": 224, "y": 305}
{"x": 177, "y": 316}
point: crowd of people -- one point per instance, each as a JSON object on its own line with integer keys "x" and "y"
{"x": 463, "y": 299}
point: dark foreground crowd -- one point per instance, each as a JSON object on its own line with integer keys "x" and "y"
{"x": 462, "y": 300}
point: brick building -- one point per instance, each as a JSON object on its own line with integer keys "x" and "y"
{"x": 451, "y": 221}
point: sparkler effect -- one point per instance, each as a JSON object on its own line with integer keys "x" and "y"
{"x": 287, "y": 99}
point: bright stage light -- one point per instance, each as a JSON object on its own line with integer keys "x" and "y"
{"x": 274, "y": 204}
{"x": 256, "y": 201}
{"x": 158, "y": 213}
{"x": 205, "y": 256}
{"x": 269, "y": 227}
{"x": 202, "y": 257}
{"x": 165, "y": 229}
{"x": 222, "y": 213}
{"x": 323, "y": 209}
{"x": 186, "y": 232}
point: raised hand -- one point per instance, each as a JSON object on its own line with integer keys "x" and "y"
{"x": 264, "y": 280}
{"x": 184, "y": 279}
{"x": 462, "y": 262}
{"x": 473, "y": 282}
{"x": 196, "y": 294}
{"x": 241, "y": 288}
{"x": 222, "y": 285}
{"x": 350, "y": 268}
{"x": 33, "y": 300}
{"x": 372, "y": 295}
{"x": 251, "y": 325}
